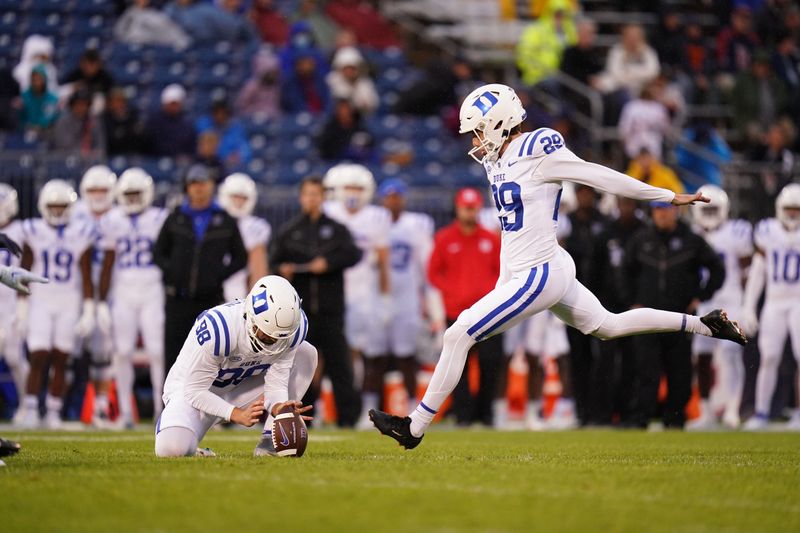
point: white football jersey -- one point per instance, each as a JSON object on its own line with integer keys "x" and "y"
{"x": 255, "y": 232}
{"x": 733, "y": 240}
{"x": 57, "y": 252}
{"x": 526, "y": 189}
{"x": 782, "y": 254}
{"x": 217, "y": 356}
{"x": 81, "y": 214}
{"x": 132, "y": 238}
{"x": 8, "y": 295}
{"x": 370, "y": 227}
{"x": 410, "y": 245}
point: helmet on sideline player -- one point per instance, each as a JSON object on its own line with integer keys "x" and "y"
{"x": 273, "y": 309}
{"x": 97, "y": 188}
{"x": 712, "y": 215}
{"x": 56, "y": 201}
{"x": 238, "y": 195}
{"x": 134, "y": 190}
{"x": 787, "y": 206}
{"x": 9, "y": 203}
{"x": 355, "y": 184}
{"x": 490, "y": 112}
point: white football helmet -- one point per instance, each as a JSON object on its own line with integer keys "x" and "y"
{"x": 135, "y": 190}
{"x": 242, "y": 185}
{"x": 789, "y": 198}
{"x": 272, "y": 308}
{"x": 56, "y": 201}
{"x": 492, "y": 111}
{"x": 357, "y": 178}
{"x": 9, "y": 204}
{"x": 712, "y": 215}
{"x": 97, "y": 188}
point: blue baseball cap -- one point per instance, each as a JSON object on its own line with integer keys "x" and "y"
{"x": 660, "y": 204}
{"x": 392, "y": 186}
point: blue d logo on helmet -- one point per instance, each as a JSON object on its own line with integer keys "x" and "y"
{"x": 481, "y": 104}
{"x": 260, "y": 303}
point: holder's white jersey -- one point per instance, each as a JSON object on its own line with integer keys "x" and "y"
{"x": 370, "y": 227}
{"x": 411, "y": 242}
{"x": 8, "y": 296}
{"x": 733, "y": 240}
{"x": 255, "y": 232}
{"x": 526, "y": 188}
{"x": 132, "y": 238}
{"x": 782, "y": 254}
{"x": 218, "y": 356}
{"x": 57, "y": 252}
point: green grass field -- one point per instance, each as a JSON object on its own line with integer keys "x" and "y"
{"x": 455, "y": 481}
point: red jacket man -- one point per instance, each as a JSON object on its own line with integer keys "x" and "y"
{"x": 465, "y": 262}
{"x": 464, "y": 266}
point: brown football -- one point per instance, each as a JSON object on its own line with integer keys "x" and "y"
{"x": 289, "y": 433}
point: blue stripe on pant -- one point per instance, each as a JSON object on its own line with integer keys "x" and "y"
{"x": 521, "y": 308}
{"x": 505, "y": 305}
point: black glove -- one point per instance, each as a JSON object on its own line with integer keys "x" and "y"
{"x": 7, "y": 243}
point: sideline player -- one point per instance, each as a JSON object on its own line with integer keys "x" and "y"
{"x": 94, "y": 326}
{"x": 733, "y": 241}
{"x": 238, "y": 196}
{"x": 525, "y": 171}
{"x": 241, "y": 360}
{"x": 132, "y": 283}
{"x": 776, "y": 263}
{"x": 59, "y": 248}
{"x": 367, "y": 291}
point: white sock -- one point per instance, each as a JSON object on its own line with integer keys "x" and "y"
{"x": 500, "y": 412}
{"x": 733, "y": 379}
{"x": 693, "y": 325}
{"x": 30, "y": 402}
{"x": 369, "y": 400}
{"x": 157, "y": 383}
{"x": 564, "y": 406}
{"x": 534, "y": 408}
{"x": 54, "y": 403}
{"x": 646, "y": 320}
{"x": 455, "y": 349}
{"x": 123, "y": 374}
{"x": 705, "y": 409}
{"x": 765, "y": 382}
{"x": 101, "y": 404}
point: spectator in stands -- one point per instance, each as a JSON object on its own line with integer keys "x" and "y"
{"x": 660, "y": 276}
{"x": 647, "y": 168}
{"x": 631, "y": 64}
{"x": 234, "y": 149}
{"x": 643, "y": 123}
{"x": 122, "y": 125}
{"x": 366, "y": 22}
{"x": 36, "y": 50}
{"x": 582, "y": 61}
{"x": 207, "y": 150}
{"x": 705, "y": 166}
{"x": 90, "y": 75}
{"x": 779, "y": 166}
{"x": 464, "y": 265}
{"x": 301, "y": 43}
{"x": 261, "y": 94}
{"x": 77, "y": 131}
{"x": 588, "y": 224}
{"x": 304, "y": 89}
{"x": 542, "y": 43}
{"x": 322, "y": 27}
{"x": 141, "y": 24}
{"x": 735, "y": 45}
{"x": 345, "y": 137}
{"x": 670, "y": 40}
{"x": 39, "y": 105}
{"x": 349, "y": 81}
{"x": 786, "y": 64}
{"x": 759, "y": 98}
{"x": 440, "y": 88}
{"x": 700, "y": 65}
{"x": 168, "y": 131}
{"x": 269, "y": 22}
{"x": 210, "y": 23}
{"x": 772, "y": 16}
{"x": 9, "y": 100}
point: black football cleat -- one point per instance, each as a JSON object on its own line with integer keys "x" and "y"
{"x": 722, "y": 328}
{"x": 8, "y": 447}
{"x": 394, "y": 426}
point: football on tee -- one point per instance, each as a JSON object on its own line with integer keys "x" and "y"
{"x": 289, "y": 433}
